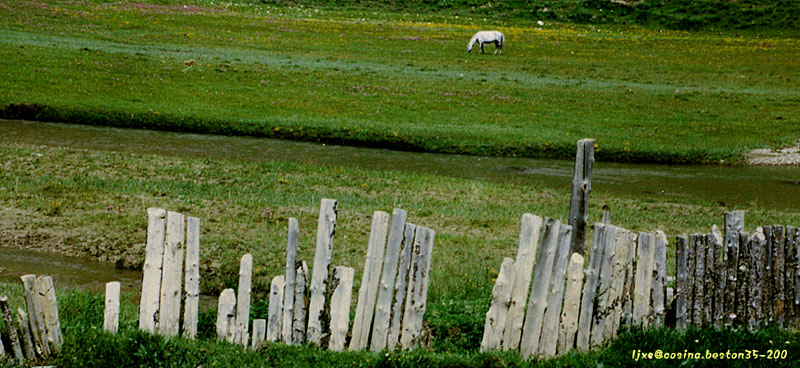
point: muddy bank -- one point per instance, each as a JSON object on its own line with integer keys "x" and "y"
{"x": 783, "y": 157}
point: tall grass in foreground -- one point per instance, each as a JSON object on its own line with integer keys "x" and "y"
{"x": 86, "y": 345}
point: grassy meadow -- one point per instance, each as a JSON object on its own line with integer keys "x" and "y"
{"x": 395, "y": 80}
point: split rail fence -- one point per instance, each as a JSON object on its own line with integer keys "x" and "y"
{"x": 733, "y": 279}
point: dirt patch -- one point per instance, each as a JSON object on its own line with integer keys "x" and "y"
{"x": 782, "y": 157}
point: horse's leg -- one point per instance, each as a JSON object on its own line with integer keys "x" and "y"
{"x": 481, "y": 43}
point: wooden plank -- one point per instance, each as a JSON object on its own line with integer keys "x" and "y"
{"x": 630, "y": 276}
{"x": 603, "y": 306}
{"x": 34, "y": 305}
{"x": 498, "y": 311}
{"x": 153, "y": 263}
{"x": 698, "y": 242}
{"x": 581, "y": 187}
{"x": 718, "y": 279}
{"x": 779, "y": 273}
{"x": 568, "y": 327}
{"x": 691, "y": 266}
{"x": 226, "y": 316}
{"x": 341, "y": 297}
{"x": 299, "y": 314}
{"x": 26, "y": 336}
{"x": 401, "y": 287}
{"x": 789, "y": 276}
{"x": 537, "y": 302}
{"x": 791, "y": 271}
{"x": 47, "y": 294}
{"x": 192, "y": 286}
{"x": 797, "y": 278}
{"x": 767, "y": 296}
{"x": 682, "y": 318}
{"x": 743, "y": 281}
{"x": 548, "y": 342}
{"x": 368, "y": 292}
{"x": 418, "y": 282}
{"x": 169, "y": 314}
{"x": 659, "y": 279}
{"x": 259, "y": 333}
{"x": 111, "y": 311}
{"x": 709, "y": 282}
{"x": 383, "y": 305}
{"x": 11, "y": 329}
{"x": 289, "y": 278}
{"x": 530, "y": 227}
{"x": 617, "y": 287}
{"x": 275, "y": 309}
{"x": 326, "y": 226}
{"x": 755, "y": 307}
{"x": 589, "y": 294}
{"x": 734, "y": 224}
{"x": 644, "y": 271}
{"x": 243, "y": 300}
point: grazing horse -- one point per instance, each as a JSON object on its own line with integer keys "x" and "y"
{"x": 483, "y": 37}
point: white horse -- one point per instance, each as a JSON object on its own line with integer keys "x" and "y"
{"x": 482, "y": 37}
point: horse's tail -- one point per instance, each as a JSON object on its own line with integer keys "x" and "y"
{"x": 502, "y": 41}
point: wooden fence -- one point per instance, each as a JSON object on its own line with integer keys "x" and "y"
{"x": 37, "y": 333}
{"x": 303, "y": 307}
{"x": 728, "y": 279}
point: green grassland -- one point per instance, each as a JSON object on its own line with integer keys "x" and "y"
{"x": 391, "y": 79}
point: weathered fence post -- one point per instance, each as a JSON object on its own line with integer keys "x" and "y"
{"x": 289, "y": 278}
{"x": 743, "y": 276}
{"x": 383, "y": 305}
{"x": 603, "y": 296}
{"x": 709, "y": 283}
{"x": 548, "y": 343}
{"x": 734, "y": 224}
{"x": 791, "y": 272}
{"x": 153, "y": 264}
{"x": 572, "y": 300}
{"x": 34, "y": 306}
{"x": 644, "y": 277}
{"x": 418, "y": 282}
{"x": 275, "y": 308}
{"x": 630, "y": 277}
{"x": 621, "y": 257}
{"x": 243, "y": 300}
{"x": 718, "y": 279}
{"x": 368, "y": 292}
{"x": 299, "y": 313}
{"x": 698, "y": 244}
{"x": 537, "y": 302}
{"x": 47, "y": 294}
{"x": 111, "y": 311}
{"x": 757, "y": 248}
{"x": 341, "y": 297}
{"x": 401, "y": 287}
{"x": 226, "y": 316}
{"x": 530, "y": 227}
{"x": 779, "y": 271}
{"x": 169, "y": 311}
{"x": 25, "y": 334}
{"x": 498, "y": 311}
{"x": 11, "y": 329}
{"x": 659, "y": 279}
{"x": 326, "y": 227}
{"x": 192, "y": 287}
{"x": 682, "y": 282}
{"x": 581, "y": 187}
{"x": 589, "y": 293}
{"x": 259, "y": 333}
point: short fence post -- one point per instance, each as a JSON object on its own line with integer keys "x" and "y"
{"x": 299, "y": 313}
{"x": 25, "y": 334}
{"x": 171, "y": 275}
{"x": 537, "y": 302}
{"x": 622, "y": 250}
{"x": 698, "y": 243}
{"x": 530, "y": 227}
{"x": 226, "y": 316}
{"x": 588, "y": 296}
{"x": 418, "y": 282}
{"x": 34, "y": 305}
{"x": 401, "y": 287}
{"x": 111, "y": 312}
{"x": 153, "y": 264}
{"x": 659, "y": 279}
{"x": 682, "y": 282}
{"x": 496, "y": 316}
{"x": 572, "y": 300}
{"x": 734, "y": 224}
{"x": 644, "y": 277}
{"x": 275, "y": 314}
{"x": 743, "y": 276}
{"x": 290, "y": 279}
{"x": 243, "y": 300}
{"x": 259, "y": 333}
{"x": 755, "y": 311}
{"x": 192, "y": 286}
{"x": 718, "y": 280}
{"x": 341, "y": 298}
{"x": 47, "y": 293}
{"x": 11, "y": 329}
{"x": 608, "y": 237}
{"x": 548, "y": 342}
{"x": 383, "y": 306}
{"x": 368, "y": 292}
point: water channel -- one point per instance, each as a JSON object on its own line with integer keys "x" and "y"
{"x": 741, "y": 187}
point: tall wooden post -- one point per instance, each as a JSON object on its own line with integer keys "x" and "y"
{"x": 289, "y": 278}
{"x": 326, "y": 226}
{"x": 581, "y": 186}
